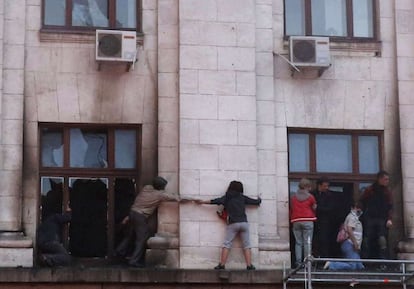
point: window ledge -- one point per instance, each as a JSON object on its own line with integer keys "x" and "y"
{"x": 65, "y": 36}
{"x": 128, "y": 275}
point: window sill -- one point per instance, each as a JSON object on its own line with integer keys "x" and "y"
{"x": 70, "y": 36}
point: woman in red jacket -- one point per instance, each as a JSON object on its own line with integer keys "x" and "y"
{"x": 302, "y": 216}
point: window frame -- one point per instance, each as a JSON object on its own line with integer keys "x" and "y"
{"x": 90, "y": 29}
{"x": 354, "y": 176}
{"x": 349, "y": 24}
{"x": 111, "y": 173}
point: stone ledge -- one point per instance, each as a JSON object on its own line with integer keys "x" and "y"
{"x": 142, "y": 276}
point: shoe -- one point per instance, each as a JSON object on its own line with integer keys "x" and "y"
{"x": 353, "y": 284}
{"x": 326, "y": 266}
{"x": 220, "y": 267}
{"x": 383, "y": 267}
{"x": 250, "y": 267}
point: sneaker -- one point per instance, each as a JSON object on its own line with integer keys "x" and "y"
{"x": 353, "y": 284}
{"x": 250, "y": 267}
{"x": 326, "y": 266}
{"x": 220, "y": 267}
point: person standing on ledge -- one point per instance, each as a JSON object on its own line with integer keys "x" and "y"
{"x": 235, "y": 203}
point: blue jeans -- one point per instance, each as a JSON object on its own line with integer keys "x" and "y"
{"x": 348, "y": 252}
{"x": 303, "y": 232}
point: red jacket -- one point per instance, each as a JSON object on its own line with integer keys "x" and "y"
{"x": 302, "y": 211}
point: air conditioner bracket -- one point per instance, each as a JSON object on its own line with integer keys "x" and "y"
{"x": 320, "y": 70}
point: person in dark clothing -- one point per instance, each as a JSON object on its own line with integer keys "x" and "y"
{"x": 235, "y": 204}
{"x": 377, "y": 204}
{"x": 325, "y": 230}
{"x": 52, "y": 251}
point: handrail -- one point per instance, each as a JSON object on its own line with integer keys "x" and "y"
{"x": 401, "y": 275}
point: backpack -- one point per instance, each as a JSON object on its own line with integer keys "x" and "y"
{"x": 222, "y": 213}
{"x": 342, "y": 234}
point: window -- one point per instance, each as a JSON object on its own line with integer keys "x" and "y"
{"x": 334, "y": 18}
{"x": 351, "y": 157}
{"x": 95, "y": 170}
{"x": 91, "y": 14}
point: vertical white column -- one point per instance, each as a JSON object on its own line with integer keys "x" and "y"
{"x": 12, "y": 89}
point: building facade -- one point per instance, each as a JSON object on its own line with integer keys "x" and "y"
{"x": 212, "y": 97}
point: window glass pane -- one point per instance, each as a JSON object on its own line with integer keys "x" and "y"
{"x": 295, "y": 17}
{"x": 88, "y": 228}
{"x": 333, "y": 153}
{"x": 88, "y": 149}
{"x": 51, "y": 190}
{"x": 91, "y": 13}
{"x": 125, "y": 149}
{"x": 363, "y": 18}
{"x": 293, "y": 187}
{"x": 55, "y": 12}
{"x": 298, "y": 152}
{"x": 329, "y": 17}
{"x": 368, "y": 154}
{"x": 52, "y": 148}
{"x": 126, "y": 11}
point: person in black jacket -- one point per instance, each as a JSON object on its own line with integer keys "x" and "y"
{"x": 234, "y": 203}
{"x": 52, "y": 251}
{"x": 325, "y": 229}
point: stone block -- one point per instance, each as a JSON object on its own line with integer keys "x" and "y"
{"x": 217, "y": 34}
{"x": 33, "y": 17}
{"x": 169, "y": 157}
{"x": 407, "y": 145}
{"x": 198, "y": 57}
{"x": 68, "y": 99}
{"x": 10, "y": 213}
{"x": 265, "y": 137}
{"x": 264, "y": 63}
{"x": 14, "y": 30}
{"x": 250, "y": 183}
{"x": 15, "y": 57}
{"x": 235, "y": 58}
{"x": 12, "y": 132}
{"x": 205, "y": 10}
{"x": 195, "y": 257}
{"x": 168, "y": 84}
{"x": 238, "y": 158}
{"x": 237, "y": 107}
{"x": 218, "y": 132}
{"x": 189, "y": 234}
{"x": 266, "y": 165}
{"x": 381, "y": 68}
{"x": 282, "y": 189}
{"x": 167, "y": 134}
{"x": 13, "y": 81}
{"x": 167, "y": 109}
{"x": 16, "y": 257}
{"x": 274, "y": 260}
{"x": 168, "y": 60}
{"x": 133, "y": 100}
{"x": 12, "y": 107}
{"x": 189, "y": 32}
{"x": 264, "y": 40}
{"x": 212, "y": 233}
{"x": 264, "y": 16}
{"x": 198, "y": 106}
{"x": 281, "y": 164}
{"x": 167, "y": 37}
{"x": 236, "y": 11}
{"x": 214, "y": 183}
{"x": 189, "y": 183}
{"x": 167, "y": 12}
{"x": 246, "y": 132}
{"x": 281, "y": 144}
{"x": 188, "y": 81}
{"x": 217, "y": 82}
{"x": 267, "y": 187}
{"x": 246, "y": 35}
{"x": 149, "y": 22}
{"x": 246, "y": 83}
{"x": 199, "y": 157}
{"x": 348, "y": 68}
{"x": 189, "y": 131}
{"x": 12, "y": 157}
{"x": 405, "y": 89}
{"x": 265, "y": 112}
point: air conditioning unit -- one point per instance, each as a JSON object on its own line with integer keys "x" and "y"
{"x": 309, "y": 51}
{"x": 116, "y": 45}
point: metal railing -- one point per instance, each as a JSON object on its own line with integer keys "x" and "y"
{"x": 397, "y": 272}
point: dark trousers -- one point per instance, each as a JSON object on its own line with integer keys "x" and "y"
{"x": 139, "y": 231}
{"x": 54, "y": 254}
{"x": 325, "y": 239}
{"x": 375, "y": 238}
